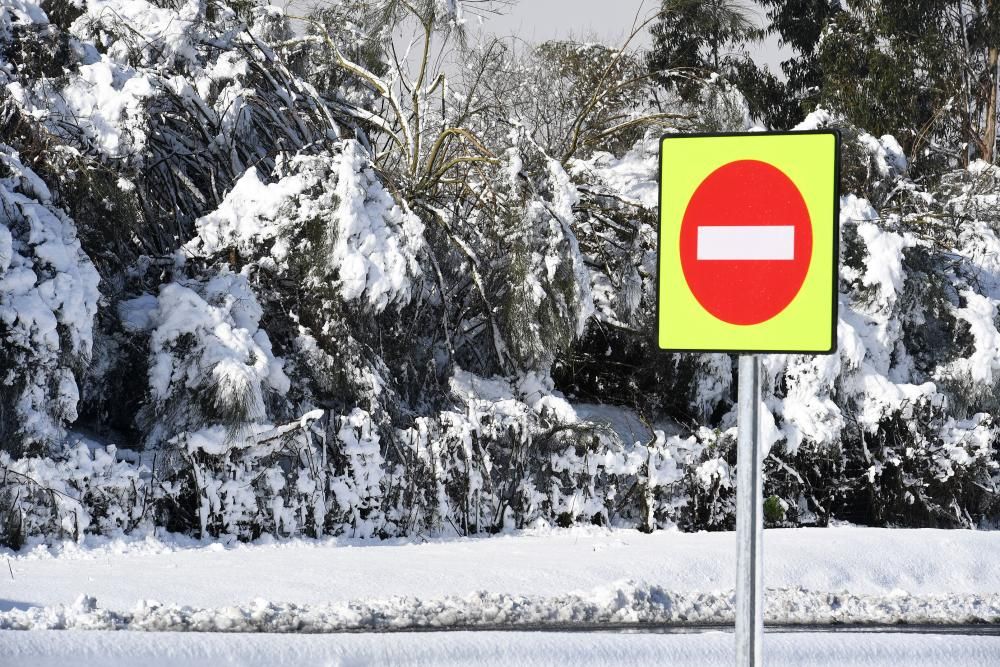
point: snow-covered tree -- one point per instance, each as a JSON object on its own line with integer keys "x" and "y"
{"x": 311, "y": 284}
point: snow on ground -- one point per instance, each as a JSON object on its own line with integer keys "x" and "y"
{"x": 73, "y": 597}
{"x": 582, "y": 575}
{"x": 113, "y": 649}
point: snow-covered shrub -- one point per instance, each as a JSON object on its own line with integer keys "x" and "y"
{"x": 180, "y": 99}
{"x": 926, "y": 469}
{"x": 79, "y": 492}
{"x": 337, "y": 300}
{"x": 330, "y": 255}
{"x": 213, "y": 484}
{"x": 48, "y": 301}
{"x": 520, "y": 456}
{"x": 906, "y": 402}
{"x": 463, "y": 469}
{"x": 548, "y": 296}
{"x": 209, "y": 361}
{"x": 327, "y": 222}
{"x": 321, "y": 475}
{"x": 356, "y": 482}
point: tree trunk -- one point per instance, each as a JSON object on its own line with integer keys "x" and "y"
{"x": 990, "y": 132}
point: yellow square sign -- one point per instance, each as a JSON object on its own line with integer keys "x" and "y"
{"x": 748, "y": 243}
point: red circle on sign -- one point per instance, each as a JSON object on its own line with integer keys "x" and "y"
{"x": 753, "y": 264}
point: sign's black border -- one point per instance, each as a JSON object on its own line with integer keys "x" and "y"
{"x": 836, "y": 236}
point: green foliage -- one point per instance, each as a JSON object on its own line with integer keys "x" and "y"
{"x": 798, "y": 24}
{"x": 695, "y": 38}
{"x": 774, "y": 510}
{"x": 919, "y": 71}
{"x": 563, "y": 78}
{"x": 700, "y": 34}
{"x": 884, "y": 82}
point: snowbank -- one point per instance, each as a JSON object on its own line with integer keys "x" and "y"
{"x": 624, "y": 603}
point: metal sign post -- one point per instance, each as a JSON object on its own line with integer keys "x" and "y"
{"x": 749, "y": 518}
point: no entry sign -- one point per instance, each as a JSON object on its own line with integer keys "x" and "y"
{"x": 748, "y": 242}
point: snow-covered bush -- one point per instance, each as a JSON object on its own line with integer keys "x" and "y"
{"x": 899, "y": 405}
{"x": 81, "y": 491}
{"x": 517, "y": 456}
{"x": 326, "y": 222}
{"x": 209, "y": 361}
{"x": 347, "y": 294}
{"x": 179, "y": 100}
{"x": 356, "y": 483}
{"x": 545, "y": 292}
{"x": 317, "y": 476}
{"x": 48, "y": 301}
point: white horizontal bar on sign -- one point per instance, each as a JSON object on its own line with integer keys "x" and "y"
{"x": 766, "y": 242}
